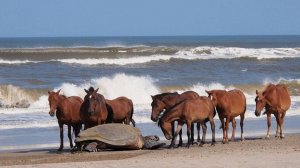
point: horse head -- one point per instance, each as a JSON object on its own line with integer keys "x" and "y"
{"x": 166, "y": 128}
{"x": 260, "y": 103}
{"x": 93, "y": 99}
{"x": 53, "y": 99}
{"x": 157, "y": 107}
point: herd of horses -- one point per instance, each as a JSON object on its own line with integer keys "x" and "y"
{"x": 167, "y": 108}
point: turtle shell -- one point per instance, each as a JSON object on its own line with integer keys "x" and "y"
{"x": 120, "y": 136}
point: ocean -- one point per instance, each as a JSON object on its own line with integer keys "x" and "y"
{"x": 136, "y": 67}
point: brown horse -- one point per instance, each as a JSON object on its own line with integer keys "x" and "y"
{"x": 93, "y": 110}
{"x": 121, "y": 109}
{"x": 198, "y": 110}
{"x": 165, "y": 101}
{"x": 229, "y": 104}
{"x": 276, "y": 100}
{"x": 67, "y": 112}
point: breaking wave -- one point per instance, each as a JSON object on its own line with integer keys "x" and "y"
{"x": 139, "y": 55}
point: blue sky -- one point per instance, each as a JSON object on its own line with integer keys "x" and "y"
{"x": 47, "y": 18}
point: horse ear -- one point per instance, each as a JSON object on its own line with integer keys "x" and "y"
{"x": 86, "y": 91}
{"x": 48, "y": 92}
{"x": 96, "y": 90}
{"x": 208, "y": 92}
{"x": 152, "y": 97}
{"x": 257, "y": 92}
{"x": 58, "y": 91}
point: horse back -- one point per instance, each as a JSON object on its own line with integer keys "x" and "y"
{"x": 120, "y": 107}
{"x": 189, "y": 95}
{"x": 198, "y": 109}
{"x": 238, "y": 101}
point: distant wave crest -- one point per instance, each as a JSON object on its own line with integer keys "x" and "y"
{"x": 139, "y": 55}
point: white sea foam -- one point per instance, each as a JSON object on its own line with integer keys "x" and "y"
{"x": 137, "y": 88}
{"x": 2, "y": 61}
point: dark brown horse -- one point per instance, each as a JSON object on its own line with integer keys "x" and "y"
{"x": 229, "y": 104}
{"x": 121, "y": 109}
{"x": 67, "y": 112}
{"x": 276, "y": 100}
{"x": 165, "y": 101}
{"x": 198, "y": 110}
{"x": 93, "y": 110}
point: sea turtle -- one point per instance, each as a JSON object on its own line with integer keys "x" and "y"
{"x": 115, "y": 136}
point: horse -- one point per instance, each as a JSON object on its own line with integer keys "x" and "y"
{"x": 276, "y": 100}
{"x": 94, "y": 110}
{"x": 121, "y": 109}
{"x": 67, "y": 112}
{"x": 165, "y": 101}
{"x": 229, "y": 104}
{"x": 200, "y": 110}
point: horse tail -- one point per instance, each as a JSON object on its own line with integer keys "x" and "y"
{"x": 131, "y": 119}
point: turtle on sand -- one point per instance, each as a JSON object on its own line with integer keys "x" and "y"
{"x": 115, "y": 136}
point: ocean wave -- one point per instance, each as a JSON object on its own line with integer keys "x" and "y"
{"x": 139, "y": 55}
{"x": 137, "y": 88}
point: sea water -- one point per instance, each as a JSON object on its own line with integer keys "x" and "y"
{"x": 136, "y": 67}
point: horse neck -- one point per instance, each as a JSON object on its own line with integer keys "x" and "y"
{"x": 170, "y": 100}
{"x": 60, "y": 106}
{"x": 172, "y": 114}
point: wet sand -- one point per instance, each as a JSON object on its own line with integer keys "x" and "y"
{"x": 254, "y": 152}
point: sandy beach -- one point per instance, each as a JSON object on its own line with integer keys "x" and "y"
{"x": 253, "y": 152}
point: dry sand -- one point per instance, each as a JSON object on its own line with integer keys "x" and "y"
{"x": 254, "y": 152}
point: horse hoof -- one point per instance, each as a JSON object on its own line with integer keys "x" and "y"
{"x": 201, "y": 144}
{"x": 179, "y": 145}
{"x": 282, "y": 137}
{"x": 171, "y": 146}
{"x": 59, "y": 149}
{"x": 213, "y": 144}
{"x": 267, "y": 137}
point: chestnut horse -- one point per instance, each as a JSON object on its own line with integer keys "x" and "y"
{"x": 165, "y": 101}
{"x": 198, "y": 110}
{"x": 67, "y": 112}
{"x": 276, "y": 100}
{"x": 93, "y": 110}
{"x": 229, "y": 104}
{"x": 121, "y": 109}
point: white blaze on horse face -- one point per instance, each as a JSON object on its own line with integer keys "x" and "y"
{"x": 90, "y": 96}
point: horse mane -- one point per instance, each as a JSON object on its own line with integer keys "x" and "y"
{"x": 160, "y": 96}
{"x": 91, "y": 89}
{"x": 267, "y": 88}
{"x": 64, "y": 96}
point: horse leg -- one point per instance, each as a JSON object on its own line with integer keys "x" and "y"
{"x": 282, "y": 120}
{"x": 180, "y": 138}
{"x": 269, "y": 124}
{"x": 204, "y": 128}
{"x": 70, "y": 135}
{"x": 212, "y": 125}
{"x": 188, "y": 130}
{"x": 223, "y": 128}
{"x": 198, "y": 130}
{"x": 278, "y": 125}
{"x": 179, "y": 127}
{"x": 192, "y": 134}
{"x": 61, "y": 130}
{"x": 227, "y": 128}
{"x": 242, "y": 126}
{"x": 233, "y": 129}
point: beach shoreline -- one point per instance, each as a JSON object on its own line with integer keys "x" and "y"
{"x": 255, "y": 151}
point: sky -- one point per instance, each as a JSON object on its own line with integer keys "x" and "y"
{"x": 64, "y": 18}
